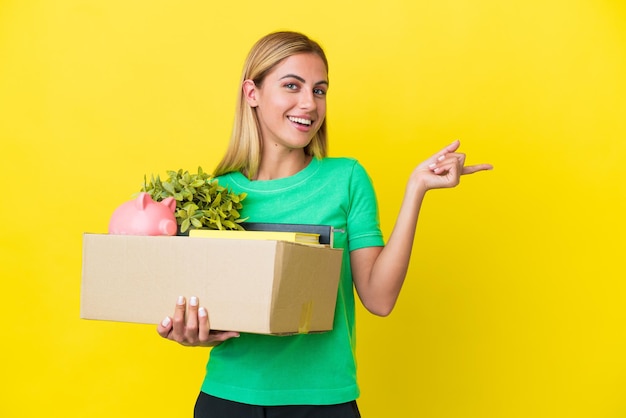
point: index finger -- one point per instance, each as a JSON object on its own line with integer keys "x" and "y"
{"x": 204, "y": 328}
{"x": 471, "y": 169}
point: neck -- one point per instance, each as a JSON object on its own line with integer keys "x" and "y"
{"x": 275, "y": 166}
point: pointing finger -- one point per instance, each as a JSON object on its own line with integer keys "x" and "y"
{"x": 471, "y": 169}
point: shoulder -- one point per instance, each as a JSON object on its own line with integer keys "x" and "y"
{"x": 232, "y": 179}
{"x": 346, "y": 164}
{"x": 348, "y": 167}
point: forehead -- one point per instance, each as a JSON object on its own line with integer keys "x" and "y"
{"x": 309, "y": 66}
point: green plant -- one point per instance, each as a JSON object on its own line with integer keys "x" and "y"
{"x": 200, "y": 201}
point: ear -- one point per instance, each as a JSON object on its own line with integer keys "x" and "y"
{"x": 250, "y": 92}
{"x": 142, "y": 200}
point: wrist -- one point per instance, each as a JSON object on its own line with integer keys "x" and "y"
{"x": 416, "y": 189}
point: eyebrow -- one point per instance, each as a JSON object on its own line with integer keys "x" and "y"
{"x": 302, "y": 80}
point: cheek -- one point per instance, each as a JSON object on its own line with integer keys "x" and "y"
{"x": 279, "y": 105}
{"x": 270, "y": 112}
{"x": 321, "y": 109}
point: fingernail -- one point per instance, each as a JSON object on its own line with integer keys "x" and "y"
{"x": 181, "y": 300}
{"x": 202, "y": 312}
{"x": 441, "y": 158}
{"x": 193, "y": 301}
{"x": 433, "y": 165}
{"x": 166, "y": 322}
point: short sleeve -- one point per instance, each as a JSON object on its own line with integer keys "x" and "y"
{"x": 363, "y": 226}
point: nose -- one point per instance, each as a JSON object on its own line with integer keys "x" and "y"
{"x": 307, "y": 100}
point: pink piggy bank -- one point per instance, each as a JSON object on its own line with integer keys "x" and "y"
{"x": 144, "y": 216}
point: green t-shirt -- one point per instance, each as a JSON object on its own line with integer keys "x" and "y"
{"x": 313, "y": 369}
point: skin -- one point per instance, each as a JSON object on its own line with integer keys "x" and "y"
{"x": 296, "y": 88}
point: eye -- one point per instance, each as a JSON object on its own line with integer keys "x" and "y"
{"x": 291, "y": 86}
{"x": 319, "y": 92}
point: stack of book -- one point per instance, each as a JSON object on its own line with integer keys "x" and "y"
{"x": 317, "y": 235}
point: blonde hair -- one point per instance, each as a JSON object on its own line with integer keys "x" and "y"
{"x": 244, "y": 149}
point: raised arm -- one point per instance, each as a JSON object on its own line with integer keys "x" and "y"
{"x": 379, "y": 272}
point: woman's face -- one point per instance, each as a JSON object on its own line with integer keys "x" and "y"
{"x": 291, "y": 102}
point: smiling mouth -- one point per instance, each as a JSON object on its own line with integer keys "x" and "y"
{"x": 301, "y": 121}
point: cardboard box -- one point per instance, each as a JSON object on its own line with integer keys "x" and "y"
{"x": 257, "y": 286}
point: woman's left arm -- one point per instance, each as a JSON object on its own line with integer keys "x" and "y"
{"x": 379, "y": 272}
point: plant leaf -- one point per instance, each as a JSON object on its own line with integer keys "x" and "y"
{"x": 169, "y": 188}
{"x": 184, "y": 226}
{"x": 229, "y": 224}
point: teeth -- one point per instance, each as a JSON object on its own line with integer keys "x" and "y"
{"x": 300, "y": 121}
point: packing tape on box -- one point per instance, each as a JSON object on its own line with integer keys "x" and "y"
{"x": 305, "y": 317}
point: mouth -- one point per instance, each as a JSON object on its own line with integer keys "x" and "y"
{"x": 300, "y": 121}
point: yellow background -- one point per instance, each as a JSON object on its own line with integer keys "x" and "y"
{"x": 515, "y": 300}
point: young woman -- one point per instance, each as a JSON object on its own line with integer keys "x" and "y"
{"x": 277, "y": 155}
